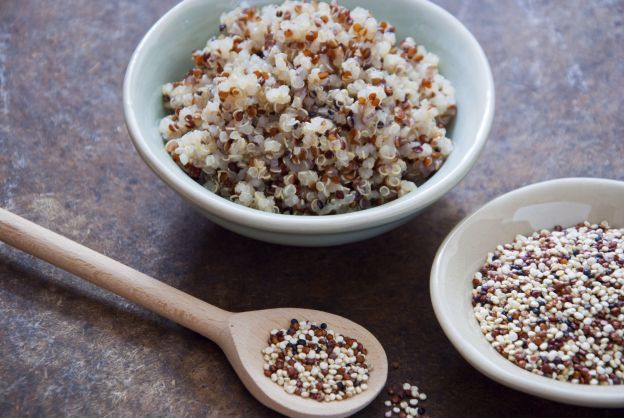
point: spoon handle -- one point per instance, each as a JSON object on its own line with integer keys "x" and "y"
{"x": 109, "y": 274}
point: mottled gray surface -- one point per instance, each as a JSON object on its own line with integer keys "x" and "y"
{"x": 69, "y": 349}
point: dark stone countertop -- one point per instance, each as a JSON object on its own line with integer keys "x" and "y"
{"x": 70, "y": 349}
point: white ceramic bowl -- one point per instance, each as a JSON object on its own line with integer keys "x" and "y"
{"x": 164, "y": 55}
{"x": 542, "y": 205}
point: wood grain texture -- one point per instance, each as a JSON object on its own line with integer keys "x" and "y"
{"x": 70, "y": 349}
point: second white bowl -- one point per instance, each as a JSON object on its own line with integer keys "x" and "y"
{"x": 563, "y": 202}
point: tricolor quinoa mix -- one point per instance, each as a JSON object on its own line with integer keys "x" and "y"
{"x": 309, "y": 108}
{"x": 316, "y": 362}
{"x": 553, "y": 303}
{"x": 405, "y": 402}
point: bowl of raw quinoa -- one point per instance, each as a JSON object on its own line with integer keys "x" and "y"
{"x": 309, "y": 123}
{"x": 530, "y": 290}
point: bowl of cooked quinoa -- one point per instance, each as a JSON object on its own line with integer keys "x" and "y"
{"x": 530, "y": 290}
{"x": 309, "y": 123}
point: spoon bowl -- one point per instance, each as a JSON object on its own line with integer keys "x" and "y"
{"x": 247, "y": 336}
{"x": 241, "y": 336}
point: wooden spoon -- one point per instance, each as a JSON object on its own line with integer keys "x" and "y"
{"x": 241, "y": 336}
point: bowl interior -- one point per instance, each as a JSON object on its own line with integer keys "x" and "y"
{"x": 559, "y": 202}
{"x": 165, "y": 55}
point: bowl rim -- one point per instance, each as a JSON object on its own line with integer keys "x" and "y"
{"x": 312, "y": 225}
{"x": 516, "y": 377}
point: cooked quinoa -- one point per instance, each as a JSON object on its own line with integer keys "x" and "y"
{"x": 309, "y": 108}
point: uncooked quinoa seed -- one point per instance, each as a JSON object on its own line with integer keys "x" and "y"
{"x": 316, "y": 362}
{"x": 309, "y": 108}
{"x": 553, "y": 303}
{"x": 405, "y": 401}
